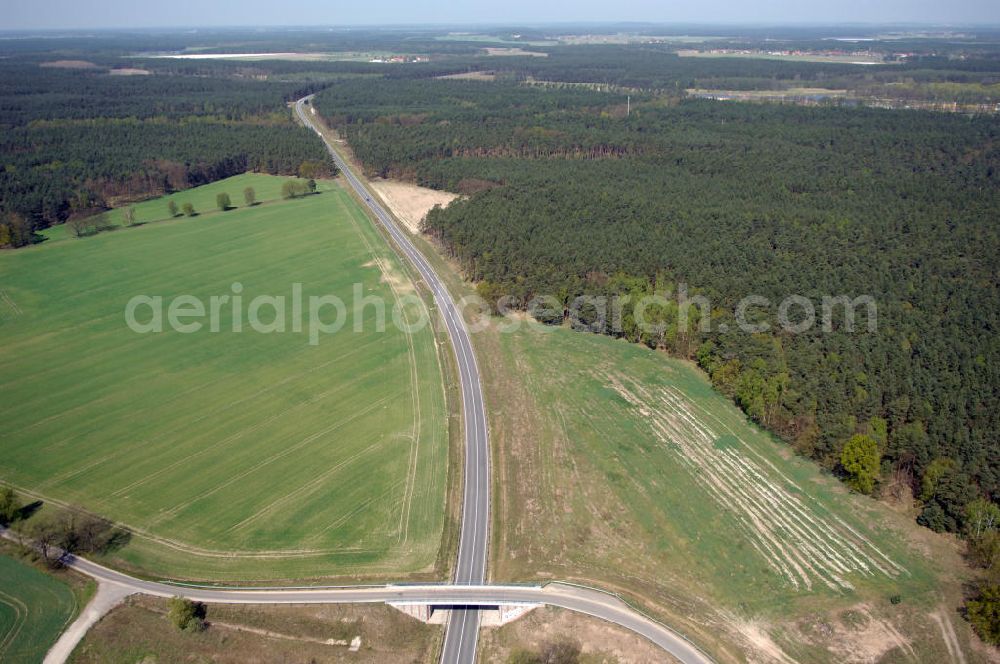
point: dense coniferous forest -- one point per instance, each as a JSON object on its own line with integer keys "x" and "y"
{"x": 76, "y": 141}
{"x": 567, "y": 195}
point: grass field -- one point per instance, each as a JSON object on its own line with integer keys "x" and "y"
{"x": 34, "y": 608}
{"x": 266, "y": 187}
{"x": 817, "y": 57}
{"x": 620, "y": 467}
{"x": 139, "y": 631}
{"x": 230, "y": 455}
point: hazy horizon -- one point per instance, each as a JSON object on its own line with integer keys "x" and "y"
{"x": 70, "y": 14}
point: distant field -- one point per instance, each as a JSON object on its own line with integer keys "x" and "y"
{"x": 838, "y": 59}
{"x": 493, "y": 39}
{"x": 231, "y": 455}
{"x": 818, "y": 93}
{"x": 346, "y": 56}
{"x": 622, "y": 467}
{"x": 34, "y": 608}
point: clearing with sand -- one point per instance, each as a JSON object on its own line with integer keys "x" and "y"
{"x": 410, "y": 203}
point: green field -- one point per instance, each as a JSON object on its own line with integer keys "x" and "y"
{"x": 622, "y": 468}
{"x": 34, "y": 608}
{"x": 836, "y": 59}
{"x": 267, "y": 188}
{"x": 230, "y": 455}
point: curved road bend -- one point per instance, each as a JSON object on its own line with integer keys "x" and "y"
{"x": 573, "y": 598}
{"x": 462, "y": 632}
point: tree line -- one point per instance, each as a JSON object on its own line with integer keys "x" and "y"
{"x": 75, "y": 144}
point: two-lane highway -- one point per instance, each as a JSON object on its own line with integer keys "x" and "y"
{"x": 462, "y": 632}
{"x": 584, "y": 600}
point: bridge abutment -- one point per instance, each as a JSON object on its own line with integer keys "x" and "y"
{"x": 437, "y": 614}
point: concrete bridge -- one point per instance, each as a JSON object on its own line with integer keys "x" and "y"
{"x": 430, "y": 602}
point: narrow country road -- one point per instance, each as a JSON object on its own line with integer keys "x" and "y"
{"x": 462, "y": 632}
{"x": 574, "y": 598}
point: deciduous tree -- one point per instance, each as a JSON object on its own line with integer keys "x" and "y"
{"x": 10, "y": 505}
{"x": 860, "y": 460}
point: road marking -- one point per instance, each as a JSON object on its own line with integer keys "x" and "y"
{"x": 472, "y": 553}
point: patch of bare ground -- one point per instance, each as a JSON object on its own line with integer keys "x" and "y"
{"x": 398, "y": 282}
{"x": 859, "y": 634}
{"x": 129, "y": 71}
{"x": 410, "y": 203}
{"x": 471, "y": 76}
{"x": 599, "y": 642}
{"x": 139, "y": 630}
{"x": 69, "y": 64}
{"x": 758, "y": 644}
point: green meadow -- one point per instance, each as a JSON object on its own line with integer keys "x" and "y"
{"x": 34, "y": 609}
{"x": 266, "y": 187}
{"x": 622, "y": 468}
{"x": 229, "y": 454}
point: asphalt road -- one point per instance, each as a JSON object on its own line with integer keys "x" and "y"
{"x": 462, "y": 631}
{"x": 584, "y": 600}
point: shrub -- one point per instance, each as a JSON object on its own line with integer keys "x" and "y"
{"x": 984, "y": 614}
{"x": 186, "y": 615}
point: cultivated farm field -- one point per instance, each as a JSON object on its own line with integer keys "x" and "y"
{"x": 266, "y": 187}
{"x": 229, "y": 455}
{"x": 34, "y": 609}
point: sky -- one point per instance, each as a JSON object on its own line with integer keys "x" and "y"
{"x": 89, "y": 14}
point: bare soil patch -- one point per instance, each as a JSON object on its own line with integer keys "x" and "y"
{"x": 599, "y": 641}
{"x": 411, "y": 203}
